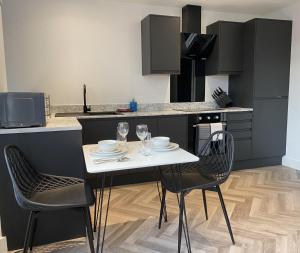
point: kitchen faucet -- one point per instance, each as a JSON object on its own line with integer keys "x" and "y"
{"x": 85, "y": 107}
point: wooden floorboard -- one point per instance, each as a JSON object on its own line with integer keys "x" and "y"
{"x": 263, "y": 205}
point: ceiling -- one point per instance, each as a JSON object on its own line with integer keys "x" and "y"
{"x": 242, "y": 6}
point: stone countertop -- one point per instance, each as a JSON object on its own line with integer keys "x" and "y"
{"x": 71, "y": 123}
{"x": 53, "y": 124}
{"x": 168, "y": 112}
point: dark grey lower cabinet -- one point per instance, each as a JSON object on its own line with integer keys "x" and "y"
{"x": 175, "y": 127}
{"x": 269, "y": 127}
{"x": 57, "y": 153}
{"x": 94, "y": 130}
{"x": 242, "y": 148}
{"x": 151, "y": 122}
{"x": 240, "y": 126}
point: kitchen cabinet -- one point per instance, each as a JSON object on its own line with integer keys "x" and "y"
{"x": 266, "y": 62}
{"x": 151, "y": 122}
{"x": 94, "y": 130}
{"x": 240, "y": 126}
{"x": 269, "y": 127}
{"x": 272, "y": 58}
{"x": 175, "y": 127}
{"x": 160, "y": 45}
{"x": 264, "y": 85}
{"x": 227, "y": 54}
{"x": 53, "y": 152}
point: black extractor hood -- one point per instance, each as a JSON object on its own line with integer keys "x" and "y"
{"x": 189, "y": 86}
{"x": 196, "y": 46}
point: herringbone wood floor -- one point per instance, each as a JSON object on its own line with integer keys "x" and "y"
{"x": 263, "y": 205}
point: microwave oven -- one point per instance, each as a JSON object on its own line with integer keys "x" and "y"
{"x": 22, "y": 109}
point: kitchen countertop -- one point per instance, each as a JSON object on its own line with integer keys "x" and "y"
{"x": 168, "y": 112}
{"x": 71, "y": 123}
{"x": 53, "y": 124}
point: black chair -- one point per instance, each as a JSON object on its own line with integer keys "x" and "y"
{"x": 213, "y": 169}
{"x": 37, "y": 192}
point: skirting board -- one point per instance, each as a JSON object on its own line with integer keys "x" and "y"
{"x": 290, "y": 162}
{"x": 3, "y": 245}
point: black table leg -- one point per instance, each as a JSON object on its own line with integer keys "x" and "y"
{"x": 176, "y": 170}
{"x": 100, "y": 207}
{"x": 162, "y": 199}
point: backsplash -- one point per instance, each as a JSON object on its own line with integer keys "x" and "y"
{"x": 141, "y": 107}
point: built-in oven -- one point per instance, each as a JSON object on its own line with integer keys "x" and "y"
{"x": 200, "y": 128}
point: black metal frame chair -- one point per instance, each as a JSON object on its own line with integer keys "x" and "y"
{"x": 37, "y": 192}
{"x": 213, "y": 169}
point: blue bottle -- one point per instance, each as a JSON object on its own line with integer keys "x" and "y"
{"x": 133, "y": 105}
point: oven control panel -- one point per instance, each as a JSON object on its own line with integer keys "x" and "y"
{"x": 208, "y": 118}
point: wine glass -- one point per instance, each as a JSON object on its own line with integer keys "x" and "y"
{"x": 141, "y": 132}
{"x": 123, "y": 129}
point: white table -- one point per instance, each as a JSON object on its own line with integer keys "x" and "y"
{"x": 136, "y": 160}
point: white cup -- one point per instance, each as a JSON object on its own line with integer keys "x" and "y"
{"x": 108, "y": 145}
{"x": 160, "y": 141}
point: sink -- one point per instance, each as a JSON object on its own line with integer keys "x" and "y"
{"x": 80, "y": 114}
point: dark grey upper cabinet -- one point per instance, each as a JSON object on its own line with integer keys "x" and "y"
{"x": 227, "y": 55}
{"x": 269, "y": 127}
{"x": 161, "y": 45}
{"x": 272, "y": 57}
{"x": 266, "y": 62}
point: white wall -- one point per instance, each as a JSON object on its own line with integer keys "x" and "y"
{"x": 3, "y": 85}
{"x": 57, "y": 45}
{"x": 292, "y": 157}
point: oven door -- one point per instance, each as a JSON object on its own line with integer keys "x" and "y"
{"x": 200, "y": 135}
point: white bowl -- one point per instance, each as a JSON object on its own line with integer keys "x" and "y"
{"x": 108, "y": 145}
{"x": 160, "y": 141}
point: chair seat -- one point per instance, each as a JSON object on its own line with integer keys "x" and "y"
{"x": 72, "y": 196}
{"x": 191, "y": 177}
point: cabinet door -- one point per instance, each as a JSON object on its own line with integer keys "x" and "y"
{"x": 150, "y": 122}
{"x": 240, "y": 126}
{"x": 94, "y": 130}
{"x": 175, "y": 127}
{"x": 165, "y": 44}
{"x": 227, "y": 54}
{"x": 231, "y": 47}
{"x": 269, "y": 127}
{"x": 272, "y": 58}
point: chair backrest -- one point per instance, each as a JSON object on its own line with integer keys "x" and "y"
{"x": 23, "y": 176}
{"x": 216, "y": 156}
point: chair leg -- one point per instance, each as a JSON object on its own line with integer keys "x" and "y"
{"x": 90, "y": 220}
{"x": 28, "y": 232}
{"x": 89, "y": 228}
{"x": 35, "y": 220}
{"x": 162, "y": 207}
{"x": 95, "y": 210}
{"x": 180, "y": 220}
{"x": 205, "y": 204}
{"x": 225, "y": 213}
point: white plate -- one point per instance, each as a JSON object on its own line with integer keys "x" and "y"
{"x": 99, "y": 153}
{"x": 172, "y": 146}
